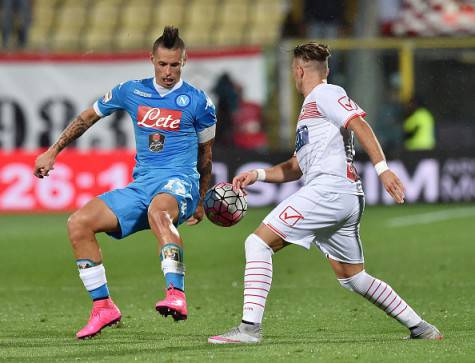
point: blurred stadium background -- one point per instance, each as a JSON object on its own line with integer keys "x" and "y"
{"x": 59, "y": 56}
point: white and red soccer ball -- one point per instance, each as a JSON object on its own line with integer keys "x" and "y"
{"x": 224, "y": 205}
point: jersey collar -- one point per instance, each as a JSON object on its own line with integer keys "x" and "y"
{"x": 162, "y": 91}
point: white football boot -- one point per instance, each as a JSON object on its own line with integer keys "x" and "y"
{"x": 425, "y": 331}
{"x": 242, "y": 334}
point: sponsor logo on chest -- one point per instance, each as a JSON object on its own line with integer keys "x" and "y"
{"x": 159, "y": 118}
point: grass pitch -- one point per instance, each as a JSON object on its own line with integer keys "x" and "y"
{"x": 309, "y": 316}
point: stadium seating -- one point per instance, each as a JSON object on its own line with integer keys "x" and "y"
{"x": 71, "y": 19}
{"x": 43, "y": 17}
{"x": 135, "y": 21}
{"x": 200, "y": 19}
{"x": 266, "y": 19}
{"x": 165, "y": 13}
{"x": 104, "y": 21}
{"x": 105, "y": 25}
{"x": 233, "y": 23}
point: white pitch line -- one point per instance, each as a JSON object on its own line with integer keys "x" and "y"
{"x": 431, "y": 217}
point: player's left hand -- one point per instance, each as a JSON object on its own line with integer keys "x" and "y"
{"x": 393, "y": 186}
{"x": 197, "y": 217}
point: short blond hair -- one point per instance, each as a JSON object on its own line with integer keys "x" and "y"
{"x": 312, "y": 52}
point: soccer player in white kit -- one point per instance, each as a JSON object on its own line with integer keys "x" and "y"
{"x": 328, "y": 208}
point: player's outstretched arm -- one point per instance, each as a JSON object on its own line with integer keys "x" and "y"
{"x": 205, "y": 157}
{"x": 284, "y": 172}
{"x": 370, "y": 143}
{"x": 44, "y": 162}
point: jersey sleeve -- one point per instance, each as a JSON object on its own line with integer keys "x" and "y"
{"x": 205, "y": 120}
{"x": 338, "y": 107}
{"x": 111, "y": 101}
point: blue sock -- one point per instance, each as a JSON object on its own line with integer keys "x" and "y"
{"x": 175, "y": 279}
{"x": 102, "y": 292}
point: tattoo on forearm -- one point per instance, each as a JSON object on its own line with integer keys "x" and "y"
{"x": 205, "y": 166}
{"x": 75, "y": 129}
{"x": 205, "y": 176}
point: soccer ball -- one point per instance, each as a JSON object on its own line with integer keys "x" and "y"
{"x": 224, "y": 205}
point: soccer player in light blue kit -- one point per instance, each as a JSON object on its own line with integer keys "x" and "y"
{"x": 174, "y": 126}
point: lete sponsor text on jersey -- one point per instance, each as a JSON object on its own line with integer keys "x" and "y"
{"x": 159, "y": 118}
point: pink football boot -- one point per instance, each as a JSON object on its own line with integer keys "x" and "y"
{"x": 104, "y": 313}
{"x": 174, "y": 304}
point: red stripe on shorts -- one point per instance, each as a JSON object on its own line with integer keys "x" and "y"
{"x": 279, "y": 233}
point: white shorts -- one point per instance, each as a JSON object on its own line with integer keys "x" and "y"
{"x": 330, "y": 220}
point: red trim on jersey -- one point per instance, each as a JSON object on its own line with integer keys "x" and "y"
{"x": 122, "y": 57}
{"x": 362, "y": 114}
{"x": 310, "y": 110}
{"x": 351, "y": 173}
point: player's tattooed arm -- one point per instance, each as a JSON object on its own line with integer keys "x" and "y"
{"x": 44, "y": 162}
{"x": 75, "y": 129}
{"x": 205, "y": 156}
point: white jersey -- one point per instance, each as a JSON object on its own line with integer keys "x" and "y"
{"x": 324, "y": 146}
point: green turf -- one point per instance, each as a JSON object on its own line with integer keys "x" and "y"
{"x": 309, "y": 316}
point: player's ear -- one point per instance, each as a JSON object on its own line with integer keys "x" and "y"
{"x": 185, "y": 58}
{"x": 151, "y": 57}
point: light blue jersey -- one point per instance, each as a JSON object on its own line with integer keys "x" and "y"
{"x": 167, "y": 131}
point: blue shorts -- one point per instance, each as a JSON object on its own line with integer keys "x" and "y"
{"x": 130, "y": 204}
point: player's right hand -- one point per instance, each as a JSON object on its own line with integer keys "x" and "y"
{"x": 393, "y": 186}
{"x": 44, "y": 164}
{"x": 244, "y": 179}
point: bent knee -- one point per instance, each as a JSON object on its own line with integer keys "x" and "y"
{"x": 160, "y": 217}
{"x": 79, "y": 225}
{"x": 353, "y": 282}
{"x": 256, "y": 244}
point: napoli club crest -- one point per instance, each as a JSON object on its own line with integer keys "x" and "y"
{"x": 182, "y": 100}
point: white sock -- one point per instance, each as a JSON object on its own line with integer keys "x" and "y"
{"x": 257, "y": 278}
{"x": 383, "y": 296}
{"x": 93, "y": 277}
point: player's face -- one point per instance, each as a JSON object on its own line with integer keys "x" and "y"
{"x": 168, "y": 64}
{"x": 297, "y": 72}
